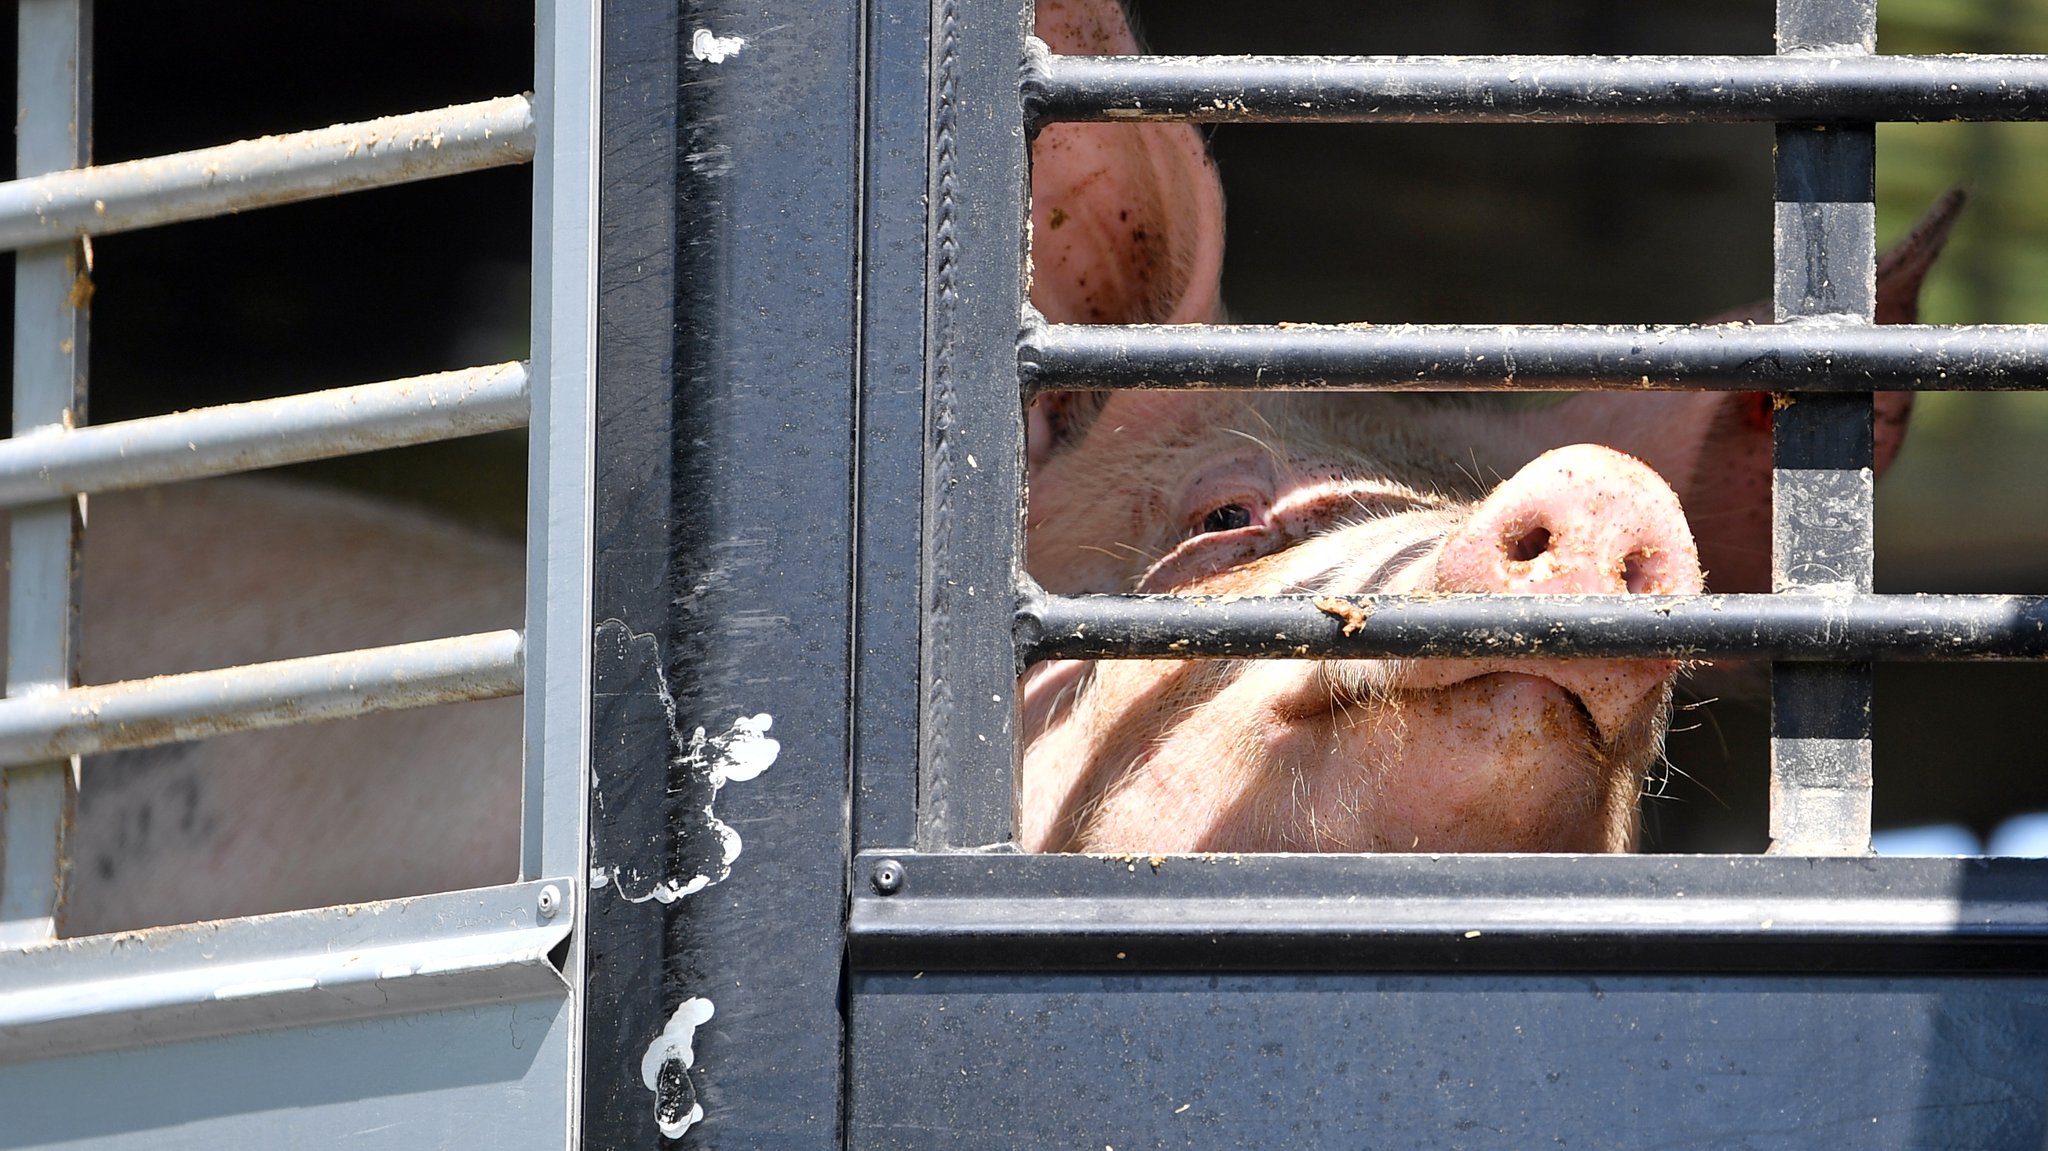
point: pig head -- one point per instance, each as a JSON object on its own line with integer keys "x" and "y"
{"x": 1219, "y": 493}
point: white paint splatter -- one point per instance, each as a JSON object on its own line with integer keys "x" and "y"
{"x": 675, "y": 1044}
{"x": 714, "y": 49}
{"x": 740, "y": 753}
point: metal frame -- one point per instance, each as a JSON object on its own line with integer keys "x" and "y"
{"x": 448, "y": 1018}
{"x": 1086, "y": 1000}
{"x": 1823, "y": 357}
{"x": 727, "y": 364}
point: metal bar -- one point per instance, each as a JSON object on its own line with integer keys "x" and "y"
{"x": 1784, "y": 627}
{"x": 52, "y": 286}
{"x": 561, "y": 447}
{"x": 263, "y": 172}
{"x": 979, "y": 211}
{"x": 55, "y": 462}
{"x": 389, "y": 957}
{"x": 1806, "y": 355}
{"x": 896, "y": 173}
{"x": 1535, "y": 89}
{"x": 1307, "y": 912}
{"x": 193, "y": 705}
{"x": 1822, "y": 502}
{"x": 718, "y": 637}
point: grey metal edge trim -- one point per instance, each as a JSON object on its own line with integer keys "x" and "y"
{"x": 193, "y": 705}
{"x": 266, "y": 171}
{"x": 388, "y": 957}
{"x": 51, "y": 464}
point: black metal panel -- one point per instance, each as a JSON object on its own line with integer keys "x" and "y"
{"x": 1456, "y": 357}
{"x": 726, "y": 381}
{"x": 1536, "y": 89}
{"x": 891, "y": 430}
{"x": 1410, "y": 1061}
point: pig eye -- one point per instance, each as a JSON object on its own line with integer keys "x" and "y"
{"x": 1227, "y": 518}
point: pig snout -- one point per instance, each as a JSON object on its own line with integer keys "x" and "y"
{"x": 1470, "y": 754}
{"x": 1583, "y": 519}
{"x": 1577, "y": 520}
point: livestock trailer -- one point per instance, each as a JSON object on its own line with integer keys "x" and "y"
{"x": 767, "y": 893}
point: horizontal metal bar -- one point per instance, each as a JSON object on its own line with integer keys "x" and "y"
{"x": 1808, "y": 355}
{"x": 1536, "y": 89}
{"x": 194, "y": 705}
{"x": 1137, "y": 913}
{"x": 1784, "y": 627}
{"x": 429, "y": 952}
{"x": 55, "y": 462}
{"x": 269, "y": 170}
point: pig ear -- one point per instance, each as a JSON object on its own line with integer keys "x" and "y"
{"x": 1715, "y": 448}
{"x": 1901, "y": 271}
{"x": 1126, "y": 219}
{"x": 1126, "y": 225}
{"x": 1727, "y": 494}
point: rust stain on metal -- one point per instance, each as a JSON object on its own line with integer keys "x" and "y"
{"x": 1352, "y": 613}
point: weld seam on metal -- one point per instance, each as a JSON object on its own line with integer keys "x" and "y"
{"x": 53, "y": 463}
{"x": 194, "y": 705}
{"x": 270, "y": 170}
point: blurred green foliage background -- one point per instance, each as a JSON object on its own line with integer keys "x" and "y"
{"x": 1967, "y": 507}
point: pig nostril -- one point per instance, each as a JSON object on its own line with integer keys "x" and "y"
{"x": 1635, "y": 572}
{"x": 1529, "y": 544}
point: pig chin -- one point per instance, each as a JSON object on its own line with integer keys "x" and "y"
{"x": 1340, "y": 755}
{"x": 1282, "y": 756}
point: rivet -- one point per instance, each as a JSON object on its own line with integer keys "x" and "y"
{"x": 550, "y": 901}
{"x": 887, "y": 877}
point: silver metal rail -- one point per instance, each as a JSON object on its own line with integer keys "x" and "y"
{"x": 265, "y": 171}
{"x": 193, "y": 705}
{"x": 53, "y": 91}
{"x": 54, "y": 462}
{"x": 385, "y": 958}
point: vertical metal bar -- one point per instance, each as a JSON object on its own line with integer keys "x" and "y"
{"x": 890, "y": 436}
{"x": 560, "y": 437}
{"x": 973, "y": 424}
{"x": 52, "y": 286}
{"x": 1822, "y": 509}
{"x": 730, "y": 147}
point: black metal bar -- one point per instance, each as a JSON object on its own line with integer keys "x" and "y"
{"x": 974, "y": 425}
{"x": 624, "y": 999}
{"x": 1536, "y": 89}
{"x": 1823, "y": 510}
{"x": 890, "y": 436}
{"x": 730, "y": 183}
{"x": 1277, "y": 913}
{"x": 1785, "y": 627}
{"x": 1811, "y": 355}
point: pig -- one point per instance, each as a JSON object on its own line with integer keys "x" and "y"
{"x": 1220, "y": 493}
{"x": 222, "y": 572}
